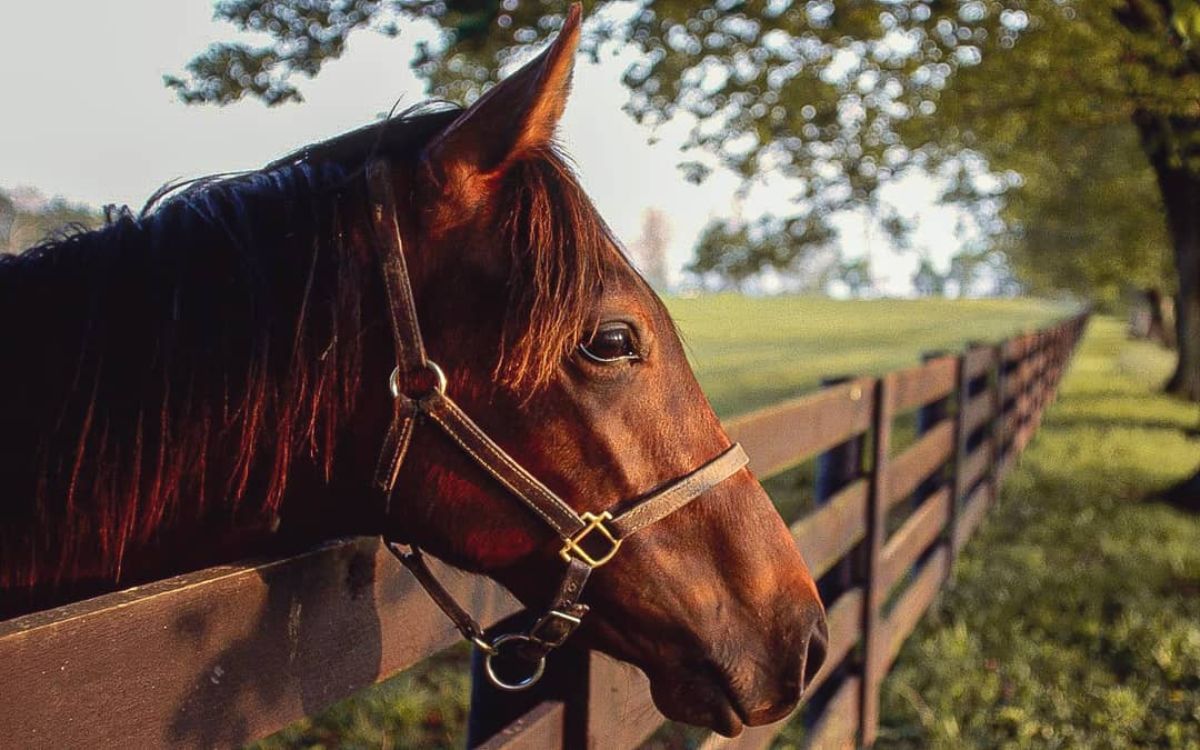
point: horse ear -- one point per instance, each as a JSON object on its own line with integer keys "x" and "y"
{"x": 513, "y": 118}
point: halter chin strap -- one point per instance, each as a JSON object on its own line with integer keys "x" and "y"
{"x": 589, "y": 540}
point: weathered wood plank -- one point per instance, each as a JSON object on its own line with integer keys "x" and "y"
{"x": 978, "y": 360}
{"x": 225, "y": 655}
{"x": 971, "y": 515}
{"x": 877, "y": 507}
{"x": 918, "y": 462}
{"x": 1011, "y": 421}
{"x": 907, "y": 612}
{"x": 975, "y": 466}
{"x": 828, "y": 533}
{"x": 621, "y": 713}
{"x": 540, "y": 729}
{"x": 838, "y": 725}
{"x": 918, "y": 386}
{"x": 978, "y": 411}
{"x": 779, "y": 437}
{"x": 1015, "y": 383}
{"x": 913, "y": 538}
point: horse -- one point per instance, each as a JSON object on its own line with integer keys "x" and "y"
{"x": 225, "y": 374}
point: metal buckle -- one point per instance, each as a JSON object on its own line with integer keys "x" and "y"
{"x": 571, "y": 622}
{"x": 594, "y": 523}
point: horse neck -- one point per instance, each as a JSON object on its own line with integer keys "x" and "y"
{"x": 183, "y": 383}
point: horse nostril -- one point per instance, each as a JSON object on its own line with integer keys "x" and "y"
{"x": 814, "y": 657}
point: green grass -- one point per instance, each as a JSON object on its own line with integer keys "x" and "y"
{"x": 748, "y": 353}
{"x": 1074, "y": 620}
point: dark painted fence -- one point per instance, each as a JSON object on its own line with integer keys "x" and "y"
{"x": 225, "y": 655}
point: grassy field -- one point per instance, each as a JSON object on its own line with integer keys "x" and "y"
{"x": 748, "y": 353}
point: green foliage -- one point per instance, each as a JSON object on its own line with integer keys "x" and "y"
{"x": 1080, "y": 208}
{"x": 856, "y": 275}
{"x": 969, "y": 266}
{"x": 732, "y": 252}
{"x": 1074, "y": 620}
{"x": 927, "y": 282}
{"x": 1061, "y": 98}
{"x": 781, "y": 87}
{"x": 1090, "y": 221}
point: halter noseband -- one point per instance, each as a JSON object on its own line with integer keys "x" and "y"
{"x": 589, "y": 540}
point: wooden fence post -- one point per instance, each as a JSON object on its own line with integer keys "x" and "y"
{"x": 836, "y": 468}
{"x": 1003, "y": 430}
{"x": 962, "y": 396}
{"x": 928, "y": 416}
{"x": 1038, "y": 364}
{"x": 873, "y": 647}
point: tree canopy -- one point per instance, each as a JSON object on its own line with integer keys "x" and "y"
{"x": 731, "y": 251}
{"x": 1033, "y": 109}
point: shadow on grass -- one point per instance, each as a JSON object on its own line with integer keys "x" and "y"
{"x": 1184, "y": 496}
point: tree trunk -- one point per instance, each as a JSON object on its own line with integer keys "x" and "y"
{"x": 1158, "y": 330}
{"x": 1179, "y": 184}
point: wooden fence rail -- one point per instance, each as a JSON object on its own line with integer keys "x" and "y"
{"x": 225, "y": 655}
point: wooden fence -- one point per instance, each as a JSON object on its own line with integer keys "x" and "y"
{"x": 225, "y": 655}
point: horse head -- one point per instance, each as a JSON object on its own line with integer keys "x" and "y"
{"x": 568, "y": 360}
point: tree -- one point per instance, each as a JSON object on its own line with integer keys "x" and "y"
{"x": 650, "y": 250}
{"x": 856, "y": 275}
{"x": 1089, "y": 221}
{"x": 926, "y": 280}
{"x": 1091, "y": 115}
{"x": 965, "y": 269}
{"x": 840, "y": 96}
{"x": 731, "y": 252}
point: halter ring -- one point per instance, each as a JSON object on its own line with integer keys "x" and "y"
{"x": 522, "y": 684}
{"x": 439, "y": 384}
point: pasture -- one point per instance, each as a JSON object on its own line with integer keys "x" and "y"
{"x": 749, "y": 352}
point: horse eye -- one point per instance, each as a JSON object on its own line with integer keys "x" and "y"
{"x": 612, "y": 342}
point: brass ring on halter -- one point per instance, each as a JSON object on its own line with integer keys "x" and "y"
{"x": 439, "y": 384}
{"x": 522, "y": 684}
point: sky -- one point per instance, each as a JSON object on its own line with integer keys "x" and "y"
{"x": 84, "y": 115}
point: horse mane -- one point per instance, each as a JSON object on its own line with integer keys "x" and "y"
{"x": 174, "y": 365}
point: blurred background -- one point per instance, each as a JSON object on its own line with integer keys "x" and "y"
{"x": 875, "y": 178}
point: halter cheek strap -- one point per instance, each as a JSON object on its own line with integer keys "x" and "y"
{"x": 589, "y": 540}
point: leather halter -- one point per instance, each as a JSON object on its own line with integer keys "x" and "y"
{"x": 589, "y": 540}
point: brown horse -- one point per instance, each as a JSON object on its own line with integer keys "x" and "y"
{"x": 210, "y": 380}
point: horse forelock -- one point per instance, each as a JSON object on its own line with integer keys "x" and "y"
{"x": 561, "y": 255}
